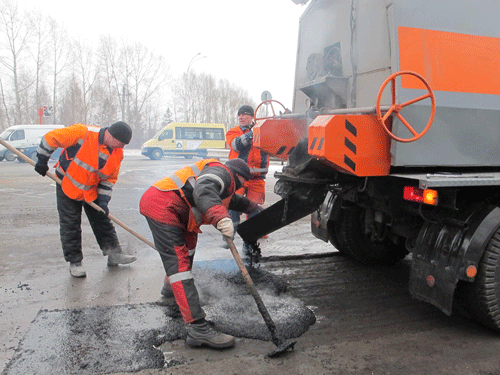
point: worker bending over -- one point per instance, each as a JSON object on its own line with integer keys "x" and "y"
{"x": 175, "y": 208}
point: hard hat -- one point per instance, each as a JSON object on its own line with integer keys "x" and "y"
{"x": 239, "y": 167}
{"x": 121, "y": 131}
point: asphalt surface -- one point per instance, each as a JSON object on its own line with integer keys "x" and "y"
{"x": 365, "y": 319}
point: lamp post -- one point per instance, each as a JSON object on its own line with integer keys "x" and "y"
{"x": 187, "y": 100}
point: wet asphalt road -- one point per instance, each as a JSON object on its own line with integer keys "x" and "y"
{"x": 366, "y": 322}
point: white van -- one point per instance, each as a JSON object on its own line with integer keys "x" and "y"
{"x": 20, "y": 136}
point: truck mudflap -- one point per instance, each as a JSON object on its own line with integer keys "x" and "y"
{"x": 443, "y": 253}
{"x": 329, "y": 210}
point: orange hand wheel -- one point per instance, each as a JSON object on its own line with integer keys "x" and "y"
{"x": 396, "y": 108}
{"x": 270, "y": 101}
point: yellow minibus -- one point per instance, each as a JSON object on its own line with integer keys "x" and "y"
{"x": 185, "y": 139}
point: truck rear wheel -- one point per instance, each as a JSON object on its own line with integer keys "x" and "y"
{"x": 481, "y": 299}
{"x": 354, "y": 238}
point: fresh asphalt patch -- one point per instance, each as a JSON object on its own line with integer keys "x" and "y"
{"x": 126, "y": 338}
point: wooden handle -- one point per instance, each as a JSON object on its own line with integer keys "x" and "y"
{"x": 253, "y": 291}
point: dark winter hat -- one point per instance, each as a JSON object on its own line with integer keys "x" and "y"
{"x": 239, "y": 167}
{"x": 245, "y": 110}
{"x": 121, "y": 131}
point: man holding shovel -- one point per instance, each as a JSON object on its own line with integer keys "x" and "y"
{"x": 88, "y": 168}
{"x": 175, "y": 208}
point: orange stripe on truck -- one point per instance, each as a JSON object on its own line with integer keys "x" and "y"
{"x": 450, "y": 61}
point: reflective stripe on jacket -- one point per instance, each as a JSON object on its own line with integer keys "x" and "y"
{"x": 188, "y": 175}
{"x": 83, "y": 179}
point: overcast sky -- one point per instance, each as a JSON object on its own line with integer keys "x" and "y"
{"x": 253, "y": 43}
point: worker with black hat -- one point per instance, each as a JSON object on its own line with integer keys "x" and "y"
{"x": 240, "y": 141}
{"x": 175, "y": 207}
{"x": 88, "y": 168}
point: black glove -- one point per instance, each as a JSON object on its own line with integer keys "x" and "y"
{"x": 104, "y": 205}
{"x": 249, "y": 135}
{"x": 42, "y": 164}
{"x": 247, "y": 138}
{"x": 41, "y": 168}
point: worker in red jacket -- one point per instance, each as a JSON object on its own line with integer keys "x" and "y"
{"x": 240, "y": 141}
{"x": 175, "y": 208}
{"x": 88, "y": 168}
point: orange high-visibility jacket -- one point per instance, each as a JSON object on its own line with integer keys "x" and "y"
{"x": 82, "y": 179}
{"x": 257, "y": 160}
{"x": 188, "y": 175}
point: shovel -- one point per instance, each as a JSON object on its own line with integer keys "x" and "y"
{"x": 282, "y": 344}
{"x": 91, "y": 204}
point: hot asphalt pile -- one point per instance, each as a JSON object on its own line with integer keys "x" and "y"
{"x": 124, "y": 338}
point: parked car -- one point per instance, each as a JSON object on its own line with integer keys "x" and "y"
{"x": 30, "y": 152}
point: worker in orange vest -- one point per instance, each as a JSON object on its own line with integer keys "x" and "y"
{"x": 175, "y": 208}
{"x": 240, "y": 141}
{"x": 88, "y": 168}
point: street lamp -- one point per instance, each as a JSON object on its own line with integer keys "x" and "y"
{"x": 187, "y": 100}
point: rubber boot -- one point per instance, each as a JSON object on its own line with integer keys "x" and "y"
{"x": 202, "y": 333}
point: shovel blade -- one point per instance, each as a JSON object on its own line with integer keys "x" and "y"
{"x": 285, "y": 346}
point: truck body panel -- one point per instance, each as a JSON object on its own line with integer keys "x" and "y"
{"x": 347, "y": 49}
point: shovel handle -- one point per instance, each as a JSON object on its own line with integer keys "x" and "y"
{"x": 91, "y": 204}
{"x": 253, "y": 291}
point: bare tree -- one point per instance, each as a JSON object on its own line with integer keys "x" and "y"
{"x": 212, "y": 101}
{"x": 15, "y": 34}
{"x": 39, "y": 48}
{"x": 71, "y": 108}
{"x": 109, "y": 54}
{"x": 59, "y": 52}
{"x": 40, "y": 65}
{"x": 87, "y": 68}
{"x": 144, "y": 76}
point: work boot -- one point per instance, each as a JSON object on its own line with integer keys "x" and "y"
{"x": 199, "y": 334}
{"x": 116, "y": 258}
{"x": 76, "y": 269}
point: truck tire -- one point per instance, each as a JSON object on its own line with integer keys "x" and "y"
{"x": 156, "y": 154}
{"x": 480, "y": 299}
{"x": 353, "y": 240}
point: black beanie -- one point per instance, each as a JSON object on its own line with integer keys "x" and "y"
{"x": 240, "y": 167}
{"x": 245, "y": 110}
{"x": 121, "y": 131}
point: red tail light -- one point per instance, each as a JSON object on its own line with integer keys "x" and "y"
{"x": 414, "y": 194}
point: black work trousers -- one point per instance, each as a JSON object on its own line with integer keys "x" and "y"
{"x": 70, "y": 227}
